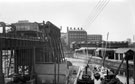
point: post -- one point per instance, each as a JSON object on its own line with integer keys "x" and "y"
{"x": 33, "y": 60}
{"x": 87, "y": 52}
{"x": 15, "y": 61}
{"x": 10, "y": 62}
{"x": 129, "y": 55}
{"x": 59, "y": 58}
{"x": 55, "y": 59}
{"x": 55, "y": 65}
{"x": 1, "y": 69}
{"x": 134, "y": 66}
{"x": 127, "y": 71}
{"x": 104, "y": 54}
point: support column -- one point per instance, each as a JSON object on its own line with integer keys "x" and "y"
{"x": 128, "y": 54}
{"x": 1, "y": 69}
{"x": 134, "y": 66}
{"x": 34, "y": 55}
{"x": 10, "y": 62}
{"x": 127, "y": 71}
{"x": 15, "y": 61}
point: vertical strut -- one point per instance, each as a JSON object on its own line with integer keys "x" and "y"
{"x": 1, "y": 69}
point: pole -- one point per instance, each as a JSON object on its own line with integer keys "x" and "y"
{"x": 104, "y": 55}
{"x": 10, "y": 61}
{"x": 33, "y": 63}
{"x": 127, "y": 71}
{"x": 2, "y": 43}
{"x": 1, "y": 69}
{"x": 87, "y": 51}
{"x": 119, "y": 66}
{"x": 134, "y": 66}
{"x": 15, "y": 61}
{"x": 53, "y": 52}
{"x": 134, "y": 59}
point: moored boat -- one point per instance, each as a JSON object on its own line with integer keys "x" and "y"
{"x": 85, "y": 76}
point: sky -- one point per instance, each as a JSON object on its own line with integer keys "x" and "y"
{"x": 117, "y": 17}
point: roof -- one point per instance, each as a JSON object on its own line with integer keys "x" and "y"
{"x": 89, "y": 48}
{"x": 124, "y": 50}
{"x": 107, "y": 49}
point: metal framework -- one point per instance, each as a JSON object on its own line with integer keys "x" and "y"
{"x": 27, "y": 50}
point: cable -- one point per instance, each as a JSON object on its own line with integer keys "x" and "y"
{"x": 99, "y": 9}
{"x": 90, "y": 15}
{"x": 99, "y": 12}
{"x": 94, "y": 11}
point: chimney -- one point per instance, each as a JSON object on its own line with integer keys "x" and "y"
{"x": 67, "y": 29}
{"x": 81, "y": 28}
{"x": 43, "y": 22}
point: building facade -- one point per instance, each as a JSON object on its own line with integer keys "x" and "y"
{"x": 75, "y": 35}
{"x": 94, "y": 38}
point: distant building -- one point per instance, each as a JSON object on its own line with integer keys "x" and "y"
{"x": 116, "y": 44}
{"x": 75, "y": 35}
{"x": 94, "y": 38}
{"x": 132, "y": 45}
{"x": 103, "y": 44}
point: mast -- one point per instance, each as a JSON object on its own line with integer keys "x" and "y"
{"x": 87, "y": 52}
{"x": 134, "y": 59}
{"x": 104, "y": 54}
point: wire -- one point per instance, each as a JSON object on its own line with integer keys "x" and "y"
{"x": 101, "y": 9}
{"x": 94, "y": 11}
{"x": 91, "y": 13}
{"x": 97, "y": 10}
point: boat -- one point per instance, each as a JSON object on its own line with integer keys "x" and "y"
{"x": 104, "y": 75}
{"x": 85, "y": 76}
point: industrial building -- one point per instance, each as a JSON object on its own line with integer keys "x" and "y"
{"x": 75, "y": 35}
{"x": 94, "y": 38}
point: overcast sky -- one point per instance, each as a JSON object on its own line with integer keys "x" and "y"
{"x": 117, "y": 18}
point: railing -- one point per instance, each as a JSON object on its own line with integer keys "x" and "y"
{"x": 13, "y": 36}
